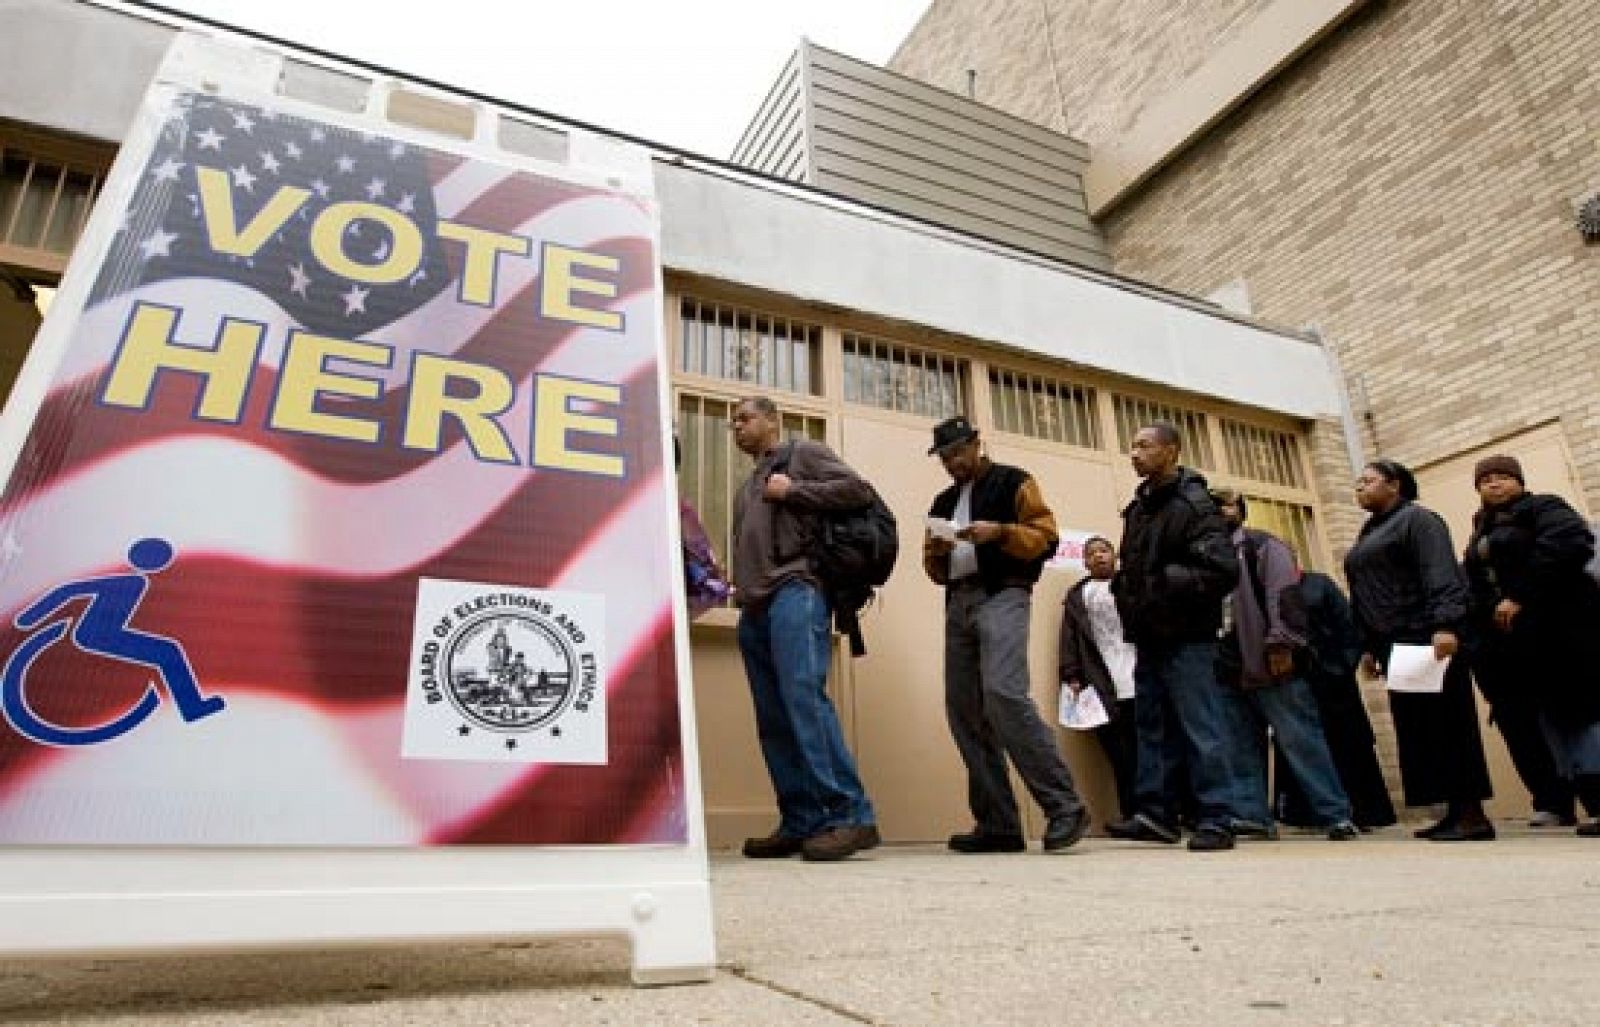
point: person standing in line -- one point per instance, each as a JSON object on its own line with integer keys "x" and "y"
{"x": 1406, "y": 587}
{"x": 1004, "y": 533}
{"x": 1093, "y": 654}
{"x": 1268, "y": 635}
{"x": 1538, "y": 614}
{"x": 1177, "y": 564}
{"x": 1500, "y": 661}
{"x": 787, "y": 643}
{"x": 705, "y": 584}
{"x": 1334, "y": 652}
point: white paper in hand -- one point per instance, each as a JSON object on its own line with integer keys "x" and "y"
{"x": 1413, "y": 668}
{"x": 1083, "y": 711}
{"x": 938, "y": 527}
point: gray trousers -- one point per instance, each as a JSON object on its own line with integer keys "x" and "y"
{"x": 992, "y": 714}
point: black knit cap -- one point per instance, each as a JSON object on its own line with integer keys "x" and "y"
{"x": 1498, "y": 464}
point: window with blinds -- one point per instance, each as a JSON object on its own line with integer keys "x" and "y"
{"x": 1043, "y": 408}
{"x": 43, "y": 205}
{"x": 1291, "y": 522}
{"x": 1262, "y": 454}
{"x": 713, "y": 468}
{"x": 891, "y": 376}
{"x": 1134, "y": 412}
{"x": 723, "y": 341}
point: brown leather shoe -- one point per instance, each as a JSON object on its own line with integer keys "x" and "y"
{"x": 774, "y": 846}
{"x": 840, "y": 843}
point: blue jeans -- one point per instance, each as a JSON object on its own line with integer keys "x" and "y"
{"x": 1290, "y": 708}
{"x": 787, "y": 647}
{"x": 1185, "y": 715}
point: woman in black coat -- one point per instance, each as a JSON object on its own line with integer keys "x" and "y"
{"x": 1537, "y": 612}
{"x": 1406, "y": 587}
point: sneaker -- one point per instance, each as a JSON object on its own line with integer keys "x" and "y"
{"x": 840, "y": 843}
{"x": 1254, "y": 830}
{"x": 976, "y": 841}
{"x": 776, "y": 845}
{"x": 1211, "y": 839}
{"x": 1343, "y": 831}
{"x": 1545, "y": 818}
{"x": 1064, "y": 831}
{"x": 1589, "y": 830}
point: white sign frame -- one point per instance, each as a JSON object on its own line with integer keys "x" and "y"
{"x": 133, "y": 900}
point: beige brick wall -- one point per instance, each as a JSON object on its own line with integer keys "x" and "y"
{"x": 1408, "y": 186}
{"x": 1111, "y": 56}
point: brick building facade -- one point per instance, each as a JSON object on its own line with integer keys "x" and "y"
{"x": 1408, "y": 185}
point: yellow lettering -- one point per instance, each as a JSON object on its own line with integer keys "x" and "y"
{"x": 429, "y": 405}
{"x": 148, "y": 349}
{"x": 561, "y": 279}
{"x": 304, "y": 376}
{"x": 222, "y": 220}
{"x": 401, "y": 259}
{"x": 483, "y": 251}
{"x": 554, "y": 419}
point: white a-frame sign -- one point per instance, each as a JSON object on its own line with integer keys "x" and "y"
{"x": 338, "y": 543}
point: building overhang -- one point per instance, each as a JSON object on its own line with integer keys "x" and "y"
{"x": 824, "y": 250}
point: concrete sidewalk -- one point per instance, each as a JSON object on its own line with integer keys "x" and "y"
{"x": 1382, "y": 930}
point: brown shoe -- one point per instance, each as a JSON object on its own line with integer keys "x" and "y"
{"x": 840, "y": 843}
{"x": 774, "y": 846}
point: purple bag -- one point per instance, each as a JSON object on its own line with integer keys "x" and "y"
{"x": 703, "y": 583}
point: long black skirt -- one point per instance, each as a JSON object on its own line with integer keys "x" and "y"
{"x": 1441, "y": 748}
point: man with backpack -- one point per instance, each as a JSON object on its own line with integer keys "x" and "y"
{"x": 988, "y": 538}
{"x": 1263, "y": 653}
{"x": 785, "y": 640}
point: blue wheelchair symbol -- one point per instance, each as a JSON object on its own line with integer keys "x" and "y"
{"x": 102, "y": 629}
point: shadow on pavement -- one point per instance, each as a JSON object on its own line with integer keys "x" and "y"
{"x": 76, "y": 990}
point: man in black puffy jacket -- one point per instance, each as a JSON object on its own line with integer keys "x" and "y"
{"x": 1177, "y": 565}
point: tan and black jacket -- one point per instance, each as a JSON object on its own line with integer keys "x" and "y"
{"x": 1008, "y": 496}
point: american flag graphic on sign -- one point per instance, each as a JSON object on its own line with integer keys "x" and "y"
{"x": 323, "y": 367}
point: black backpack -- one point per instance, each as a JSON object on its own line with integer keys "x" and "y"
{"x": 853, "y": 556}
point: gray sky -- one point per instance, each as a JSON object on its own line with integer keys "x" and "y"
{"x": 685, "y": 72}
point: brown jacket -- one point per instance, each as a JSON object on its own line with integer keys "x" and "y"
{"x": 771, "y": 539}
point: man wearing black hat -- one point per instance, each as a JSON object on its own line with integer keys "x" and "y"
{"x": 1003, "y": 534}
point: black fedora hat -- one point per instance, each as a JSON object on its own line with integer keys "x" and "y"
{"x": 951, "y": 432}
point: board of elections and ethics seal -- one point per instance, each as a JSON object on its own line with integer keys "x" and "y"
{"x": 503, "y": 673}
